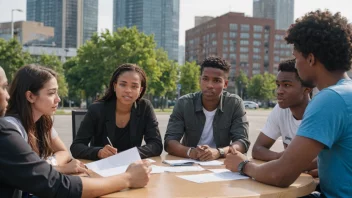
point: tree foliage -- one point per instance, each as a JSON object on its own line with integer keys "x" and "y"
{"x": 12, "y": 57}
{"x": 241, "y": 83}
{"x": 99, "y": 57}
{"x": 54, "y": 63}
{"x": 262, "y": 87}
{"x": 189, "y": 80}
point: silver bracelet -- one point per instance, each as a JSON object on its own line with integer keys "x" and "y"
{"x": 189, "y": 151}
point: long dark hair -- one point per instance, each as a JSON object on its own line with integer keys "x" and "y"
{"x": 110, "y": 94}
{"x": 32, "y": 78}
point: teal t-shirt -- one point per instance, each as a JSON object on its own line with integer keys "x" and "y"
{"x": 328, "y": 120}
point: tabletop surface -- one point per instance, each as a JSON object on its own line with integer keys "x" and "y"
{"x": 165, "y": 185}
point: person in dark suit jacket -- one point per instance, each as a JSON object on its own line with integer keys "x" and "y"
{"x": 22, "y": 169}
{"x": 121, "y": 116}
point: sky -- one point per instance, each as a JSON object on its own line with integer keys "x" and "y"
{"x": 191, "y": 8}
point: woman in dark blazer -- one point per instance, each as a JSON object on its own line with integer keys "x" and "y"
{"x": 121, "y": 116}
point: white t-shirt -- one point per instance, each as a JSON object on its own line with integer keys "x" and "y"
{"x": 207, "y": 137}
{"x": 281, "y": 123}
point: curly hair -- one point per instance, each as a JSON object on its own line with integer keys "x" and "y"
{"x": 289, "y": 66}
{"x": 327, "y": 36}
{"x": 110, "y": 94}
{"x": 215, "y": 62}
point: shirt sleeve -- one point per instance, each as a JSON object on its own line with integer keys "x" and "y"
{"x": 272, "y": 127}
{"x": 324, "y": 117}
{"x": 22, "y": 169}
{"x": 54, "y": 133}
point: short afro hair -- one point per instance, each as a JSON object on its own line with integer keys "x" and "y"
{"x": 289, "y": 66}
{"x": 327, "y": 36}
{"x": 215, "y": 62}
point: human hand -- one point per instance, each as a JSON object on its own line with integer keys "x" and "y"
{"x": 72, "y": 167}
{"x": 233, "y": 159}
{"x": 206, "y": 153}
{"x": 107, "y": 151}
{"x": 139, "y": 173}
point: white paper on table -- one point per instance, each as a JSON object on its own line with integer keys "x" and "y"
{"x": 112, "y": 171}
{"x": 121, "y": 159}
{"x": 219, "y": 170}
{"x": 213, "y": 177}
{"x": 176, "y": 169}
{"x": 190, "y": 162}
{"x": 150, "y": 160}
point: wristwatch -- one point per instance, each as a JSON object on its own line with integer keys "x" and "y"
{"x": 241, "y": 166}
{"x": 222, "y": 152}
{"x": 189, "y": 151}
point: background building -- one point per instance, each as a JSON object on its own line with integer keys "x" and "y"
{"x": 28, "y": 32}
{"x": 181, "y": 55}
{"x": 80, "y": 19}
{"x": 282, "y": 11}
{"x": 158, "y": 17}
{"x": 282, "y": 50}
{"x": 247, "y": 43}
{"x": 201, "y": 19}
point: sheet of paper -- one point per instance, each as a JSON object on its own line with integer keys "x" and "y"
{"x": 121, "y": 159}
{"x": 175, "y": 169}
{"x": 191, "y": 161}
{"x": 150, "y": 160}
{"x": 213, "y": 177}
{"x": 112, "y": 171}
{"x": 219, "y": 170}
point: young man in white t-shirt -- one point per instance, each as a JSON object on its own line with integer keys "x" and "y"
{"x": 284, "y": 120}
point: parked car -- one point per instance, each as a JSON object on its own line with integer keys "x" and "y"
{"x": 250, "y": 105}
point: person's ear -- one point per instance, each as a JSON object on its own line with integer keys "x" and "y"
{"x": 31, "y": 98}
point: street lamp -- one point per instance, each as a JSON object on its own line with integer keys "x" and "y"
{"x": 18, "y": 10}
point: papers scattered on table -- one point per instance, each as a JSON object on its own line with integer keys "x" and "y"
{"x": 178, "y": 169}
{"x": 189, "y": 162}
{"x": 150, "y": 160}
{"x": 114, "y": 162}
{"x": 217, "y": 176}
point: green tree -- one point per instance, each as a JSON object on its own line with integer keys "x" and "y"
{"x": 98, "y": 58}
{"x": 189, "y": 80}
{"x": 241, "y": 83}
{"x": 262, "y": 87}
{"x": 12, "y": 57}
{"x": 54, "y": 63}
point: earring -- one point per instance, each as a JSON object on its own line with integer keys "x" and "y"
{"x": 135, "y": 105}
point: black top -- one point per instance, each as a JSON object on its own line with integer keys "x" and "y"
{"x": 100, "y": 122}
{"x": 22, "y": 169}
{"x": 121, "y": 138}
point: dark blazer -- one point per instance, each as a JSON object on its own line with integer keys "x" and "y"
{"x": 99, "y": 122}
{"x": 22, "y": 169}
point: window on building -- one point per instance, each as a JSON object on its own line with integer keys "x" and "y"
{"x": 244, "y": 57}
{"x": 244, "y": 49}
{"x": 225, "y": 42}
{"x": 257, "y": 43}
{"x": 233, "y": 34}
{"x": 258, "y": 28}
{"x": 244, "y": 27}
{"x": 244, "y": 42}
{"x": 224, "y": 35}
{"x": 244, "y": 35}
{"x": 256, "y": 50}
{"x": 257, "y": 35}
{"x": 233, "y": 26}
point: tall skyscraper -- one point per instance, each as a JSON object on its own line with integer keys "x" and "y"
{"x": 81, "y": 19}
{"x": 282, "y": 11}
{"x": 158, "y": 17}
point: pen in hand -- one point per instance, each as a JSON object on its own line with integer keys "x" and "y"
{"x": 109, "y": 141}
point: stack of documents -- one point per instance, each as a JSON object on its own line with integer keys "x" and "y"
{"x": 190, "y": 162}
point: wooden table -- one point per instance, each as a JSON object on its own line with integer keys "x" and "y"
{"x": 167, "y": 185}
